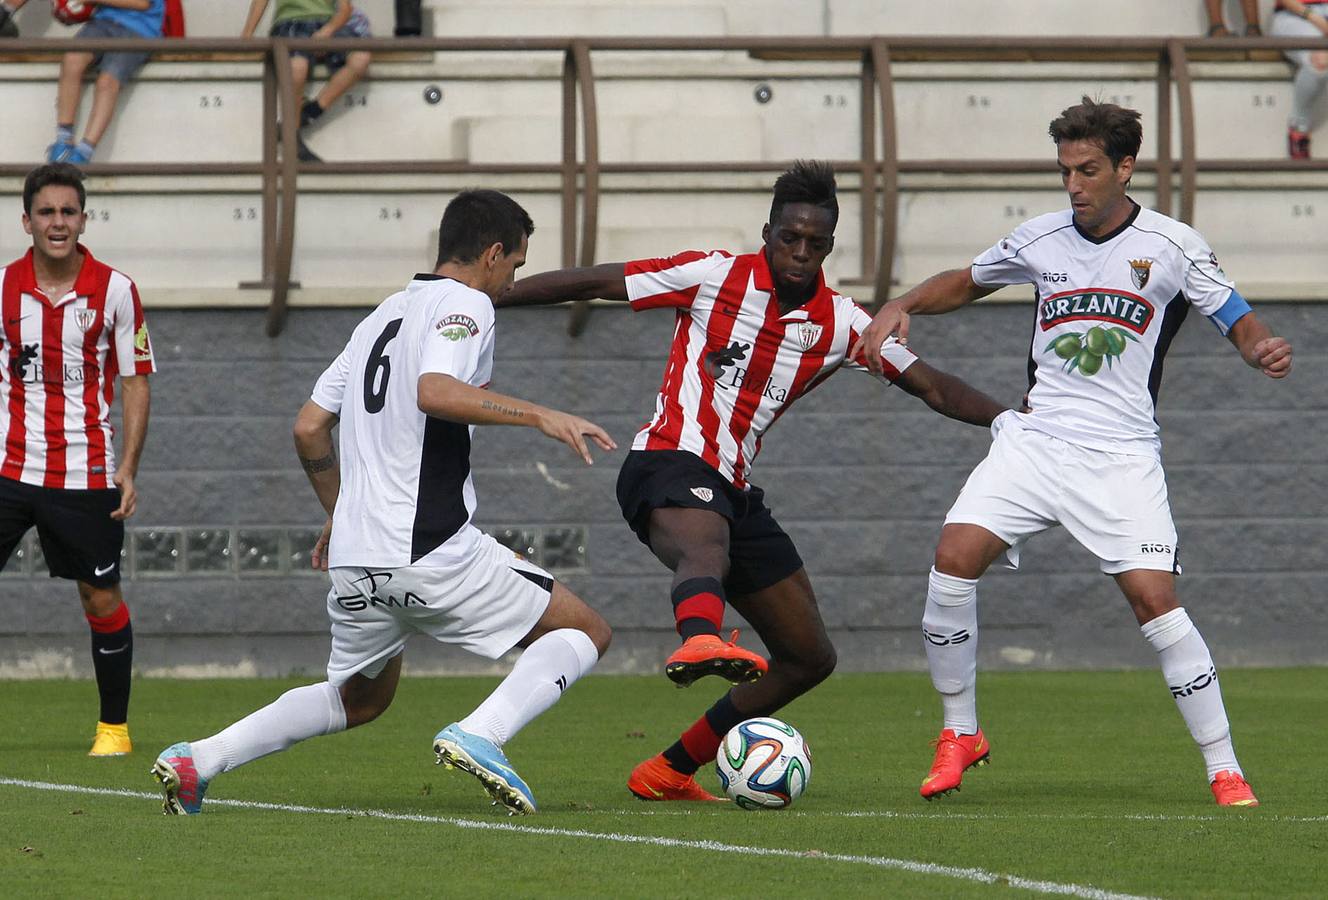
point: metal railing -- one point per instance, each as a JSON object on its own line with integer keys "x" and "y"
{"x": 878, "y": 164}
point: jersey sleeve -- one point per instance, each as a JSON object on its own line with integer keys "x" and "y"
{"x": 895, "y": 357}
{"x": 1004, "y": 263}
{"x": 1207, "y": 288}
{"x": 133, "y": 347}
{"x": 454, "y": 340}
{"x": 330, "y": 390}
{"x": 670, "y": 280}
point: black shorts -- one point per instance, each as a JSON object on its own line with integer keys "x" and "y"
{"x": 78, "y": 537}
{"x": 760, "y": 553}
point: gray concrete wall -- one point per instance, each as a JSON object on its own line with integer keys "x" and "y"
{"x": 859, "y": 475}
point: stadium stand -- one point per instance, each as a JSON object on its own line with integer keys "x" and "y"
{"x": 670, "y": 107}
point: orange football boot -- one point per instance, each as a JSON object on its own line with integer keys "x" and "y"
{"x": 954, "y": 754}
{"x": 1231, "y": 789}
{"x": 655, "y": 779}
{"x": 708, "y": 654}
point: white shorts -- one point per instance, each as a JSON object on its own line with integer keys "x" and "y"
{"x": 1115, "y": 504}
{"x": 485, "y": 605}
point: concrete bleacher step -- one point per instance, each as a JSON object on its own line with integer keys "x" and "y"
{"x": 219, "y": 119}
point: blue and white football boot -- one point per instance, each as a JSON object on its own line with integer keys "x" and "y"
{"x": 486, "y": 761}
{"x": 181, "y": 784}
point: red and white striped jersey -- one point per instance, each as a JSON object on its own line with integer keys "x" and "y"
{"x": 58, "y": 362}
{"x": 736, "y": 364}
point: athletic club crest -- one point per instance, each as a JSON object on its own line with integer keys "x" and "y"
{"x": 808, "y": 334}
{"x": 1140, "y": 269}
{"x": 705, "y": 495}
{"x": 85, "y": 319}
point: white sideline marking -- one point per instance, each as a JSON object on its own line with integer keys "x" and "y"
{"x": 1231, "y": 816}
{"x": 905, "y": 865}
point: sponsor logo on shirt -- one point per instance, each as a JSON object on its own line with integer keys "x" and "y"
{"x": 737, "y": 378}
{"x": 1105, "y": 304}
{"x": 456, "y": 327}
{"x": 25, "y": 366}
{"x": 716, "y": 361}
{"x": 1085, "y": 351}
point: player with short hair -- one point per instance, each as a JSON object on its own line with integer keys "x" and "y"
{"x": 1087, "y": 454}
{"x": 408, "y": 391}
{"x": 754, "y": 333}
{"x": 69, "y": 324}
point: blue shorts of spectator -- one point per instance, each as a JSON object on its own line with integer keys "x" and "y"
{"x": 119, "y": 64}
{"x": 356, "y": 27}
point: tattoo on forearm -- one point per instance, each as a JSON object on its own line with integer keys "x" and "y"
{"x": 502, "y": 410}
{"x": 322, "y": 464}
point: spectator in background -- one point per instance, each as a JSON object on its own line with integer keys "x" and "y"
{"x": 7, "y": 9}
{"x": 1301, "y": 19}
{"x": 113, "y": 19}
{"x": 1217, "y": 26}
{"x": 318, "y": 19}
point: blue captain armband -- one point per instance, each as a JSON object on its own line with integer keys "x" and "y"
{"x": 1230, "y": 312}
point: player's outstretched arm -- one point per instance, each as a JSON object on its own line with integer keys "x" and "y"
{"x": 940, "y": 293}
{"x": 948, "y": 395}
{"x": 1259, "y": 348}
{"x": 448, "y": 398}
{"x": 606, "y": 281}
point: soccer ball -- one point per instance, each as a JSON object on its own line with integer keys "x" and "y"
{"x": 763, "y": 764}
{"x": 71, "y": 12}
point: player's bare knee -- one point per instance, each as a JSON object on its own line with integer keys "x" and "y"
{"x": 803, "y": 674}
{"x": 362, "y": 707}
{"x": 599, "y": 632}
{"x": 98, "y": 601}
{"x": 956, "y": 561}
{"x": 567, "y": 610}
{"x": 1149, "y": 607}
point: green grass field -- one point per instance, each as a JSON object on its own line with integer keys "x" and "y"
{"x": 1095, "y": 789}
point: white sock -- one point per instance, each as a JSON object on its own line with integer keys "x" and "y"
{"x": 950, "y": 634}
{"x": 1306, "y": 88}
{"x": 546, "y": 669}
{"x": 300, "y": 713}
{"x": 1188, "y": 669}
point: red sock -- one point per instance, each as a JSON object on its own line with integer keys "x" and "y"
{"x": 698, "y": 607}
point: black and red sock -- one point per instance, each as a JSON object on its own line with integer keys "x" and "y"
{"x": 699, "y": 744}
{"x": 698, "y": 607}
{"x": 112, "y": 660}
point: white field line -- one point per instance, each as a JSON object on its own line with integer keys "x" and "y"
{"x": 1230, "y": 816}
{"x": 962, "y": 873}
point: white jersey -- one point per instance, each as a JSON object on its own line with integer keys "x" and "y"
{"x": 406, "y": 491}
{"x": 1107, "y": 310}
